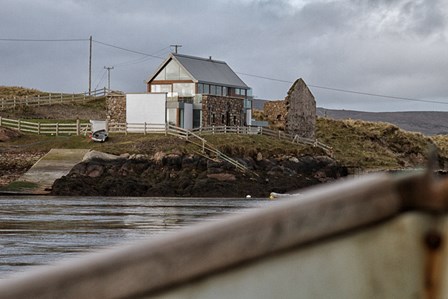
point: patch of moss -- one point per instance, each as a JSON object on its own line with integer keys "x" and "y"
{"x": 19, "y": 186}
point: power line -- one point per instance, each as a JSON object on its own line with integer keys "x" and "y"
{"x": 42, "y": 40}
{"x": 347, "y": 90}
{"x": 245, "y": 74}
{"x": 127, "y": 50}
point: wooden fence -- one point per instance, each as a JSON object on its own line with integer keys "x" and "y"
{"x": 261, "y": 131}
{"x": 51, "y": 99}
{"x": 78, "y": 128}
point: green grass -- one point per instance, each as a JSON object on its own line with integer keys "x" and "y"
{"x": 373, "y": 145}
{"x": 19, "y": 186}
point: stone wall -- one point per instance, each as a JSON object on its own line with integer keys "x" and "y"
{"x": 301, "y": 110}
{"x": 275, "y": 111}
{"x": 116, "y": 107}
{"x": 220, "y": 111}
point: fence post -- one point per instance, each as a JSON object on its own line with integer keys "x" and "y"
{"x": 49, "y": 98}
{"x": 0, "y": 120}
{"x": 278, "y": 134}
{"x": 144, "y": 128}
{"x": 18, "y": 125}
{"x": 126, "y": 128}
{"x": 26, "y": 100}
{"x": 14, "y": 103}
{"x": 166, "y": 129}
{"x": 213, "y": 129}
{"x": 105, "y": 91}
{"x": 38, "y": 128}
{"x": 77, "y": 127}
{"x": 225, "y": 129}
{"x": 57, "y": 129}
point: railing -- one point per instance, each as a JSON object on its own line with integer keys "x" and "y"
{"x": 51, "y": 99}
{"x": 194, "y": 138}
{"x": 142, "y": 128}
{"x": 262, "y": 131}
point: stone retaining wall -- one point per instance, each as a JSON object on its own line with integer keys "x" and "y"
{"x": 116, "y": 107}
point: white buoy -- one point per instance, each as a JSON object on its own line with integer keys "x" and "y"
{"x": 248, "y": 196}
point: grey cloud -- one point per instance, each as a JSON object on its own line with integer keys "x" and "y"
{"x": 391, "y": 47}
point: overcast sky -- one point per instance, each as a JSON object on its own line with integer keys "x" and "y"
{"x": 386, "y": 47}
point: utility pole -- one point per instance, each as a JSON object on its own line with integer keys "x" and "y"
{"x": 108, "y": 75}
{"x": 175, "y": 47}
{"x": 90, "y": 67}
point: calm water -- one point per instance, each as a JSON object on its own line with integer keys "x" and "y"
{"x": 41, "y": 230}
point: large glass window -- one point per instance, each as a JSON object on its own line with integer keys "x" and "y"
{"x": 218, "y": 90}
{"x": 224, "y": 91}
{"x": 184, "y": 89}
{"x": 172, "y": 71}
{"x": 161, "y": 75}
{"x": 206, "y": 88}
{"x": 200, "y": 88}
{"x": 161, "y": 88}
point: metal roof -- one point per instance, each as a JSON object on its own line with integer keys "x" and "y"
{"x": 205, "y": 70}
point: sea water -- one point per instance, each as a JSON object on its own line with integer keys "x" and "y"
{"x": 40, "y": 230}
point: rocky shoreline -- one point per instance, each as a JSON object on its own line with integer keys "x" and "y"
{"x": 187, "y": 175}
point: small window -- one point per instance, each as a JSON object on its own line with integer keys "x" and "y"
{"x": 224, "y": 91}
{"x": 213, "y": 118}
{"x": 200, "y": 88}
{"x": 218, "y": 90}
{"x": 223, "y": 119}
{"x": 206, "y": 88}
{"x": 234, "y": 120}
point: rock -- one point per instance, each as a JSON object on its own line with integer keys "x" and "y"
{"x": 294, "y": 159}
{"x": 222, "y": 176}
{"x": 194, "y": 176}
{"x": 100, "y": 156}
{"x": 259, "y": 156}
{"x": 8, "y": 134}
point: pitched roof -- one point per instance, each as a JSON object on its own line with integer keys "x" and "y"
{"x": 205, "y": 70}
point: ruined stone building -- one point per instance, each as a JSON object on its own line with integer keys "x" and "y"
{"x": 300, "y": 110}
{"x": 296, "y": 114}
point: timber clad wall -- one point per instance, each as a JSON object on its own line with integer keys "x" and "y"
{"x": 219, "y": 111}
{"x": 116, "y": 107}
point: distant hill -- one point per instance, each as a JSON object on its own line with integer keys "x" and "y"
{"x": 425, "y": 122}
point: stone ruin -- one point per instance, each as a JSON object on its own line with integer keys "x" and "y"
{"x": 296, "y": 114}
{"x": 300, "y": 110}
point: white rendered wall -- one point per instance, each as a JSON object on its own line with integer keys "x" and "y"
{"x": 146, "y": 107}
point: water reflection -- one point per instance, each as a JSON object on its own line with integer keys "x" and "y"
{"x": 40, "y": 230}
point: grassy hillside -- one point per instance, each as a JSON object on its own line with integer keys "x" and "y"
{"x": 356, "y": 143}
{"x": 15, "y": 91}
{"x": 376, "y": 145}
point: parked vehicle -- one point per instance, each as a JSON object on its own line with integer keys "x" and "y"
{"x": 99, "y": 136}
